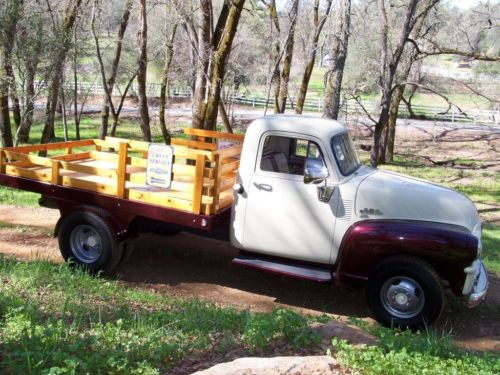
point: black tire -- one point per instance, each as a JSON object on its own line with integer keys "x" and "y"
{"x": 88, "y": 241}
{"x": 405, "y": 292}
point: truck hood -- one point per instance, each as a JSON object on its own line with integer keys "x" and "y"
{"x": 387, "y": 195}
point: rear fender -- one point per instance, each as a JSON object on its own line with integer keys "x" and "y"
{"x": 120, "y": 222}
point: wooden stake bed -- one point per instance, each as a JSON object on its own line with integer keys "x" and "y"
{"x": 204, "y": 170}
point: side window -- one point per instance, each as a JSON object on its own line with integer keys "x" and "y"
{"x": 289, "y": 155}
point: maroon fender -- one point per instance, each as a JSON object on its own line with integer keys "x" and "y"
{"x": 448, "y": 248}
{"x": 120, "y": 223}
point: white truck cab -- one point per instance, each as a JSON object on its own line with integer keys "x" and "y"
{"x": 305, "y": 206}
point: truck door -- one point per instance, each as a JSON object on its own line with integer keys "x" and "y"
{"x": 284, "y": 215}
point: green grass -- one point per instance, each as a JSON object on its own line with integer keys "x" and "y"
{"x": 491, "y": 247}
{"x": 18, "y": 197}
{"x": 56, "y": 320}
{"x": 413, "y": 353}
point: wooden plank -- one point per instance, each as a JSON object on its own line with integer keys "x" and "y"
{"x": 55, "y": 176}
{"x": 42, "y": 175}
{"x": 207, "y": 209}
{"x": 226, "y": 184}
{"x": 37, "y": 160}
{"x": 22, "y": 164}
{"x": 87, "y": 169}
{"x": 2, "y": 161}
{"x": 159, "y": 198}
{"x": 136, "y": 177}
{"x": 187, "y": 187}
{"x": 88, "y": 185}
{"x": 217, "y": 175}
{"x": 72, "y": 157}
{"x": 213, "y": 134}
{"x": 104, "y": 156}
{"x": 209, "y": 173}
{"x": 51, "y": 146}
{"x": 121, "y": 169}
{"x": 229, "y": 167}
{"x": 137, "y": 162}
{"x": 225, "y": 199}
{"x": 189, "y": 153}
{"x": 133, "y": 144}
{"x": 229, "y": 152}
{"x": 205, "y": 199}
{"x": 189, "y": 170}
{"x": 198, "y": 183}
{"x": 194, "y": 144}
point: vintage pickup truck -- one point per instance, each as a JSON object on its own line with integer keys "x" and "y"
{"x": 293, "y": 198}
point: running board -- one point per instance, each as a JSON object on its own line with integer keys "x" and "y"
{"x": 318, "y": 274}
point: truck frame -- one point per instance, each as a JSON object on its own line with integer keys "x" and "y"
{"x": 100, "y": 188}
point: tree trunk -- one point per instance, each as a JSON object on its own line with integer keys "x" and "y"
{"x": 58, "y": 66}
{"x": 339, "y": 53}
{"x": 388, "y": 68}
{"x": 63, "y": 113}
{"x": 406, "y": 64}
{"x": 5, "y": 130}
{"x": 276, "y": 77}
{"x": 391, "y": 124}
{"x": 110, "y": 83}
{"x": 219, "y": 59}
{"x": 23, "y": 132}
{"x": 204, "y": 49}
{"x": 116, "y": 116}
{"x": 8, "y": 28}
{"x": 287, "y": 62}
{"x": 318, "y": 27}
{"x": 225, "y": 119}
{"x": 76, "y": 116}
{"x": 169, "y": 53}
{"x": 142, "y": 72}
{"x": 14, "y": 98}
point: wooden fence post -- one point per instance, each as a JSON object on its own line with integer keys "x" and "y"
{"x": 198, "y": 183}
{"x": 55, "y": 178}
{"x": 218, "y": 167}
{"x": 121, "y": 170}
{"x": 2, "y": 162}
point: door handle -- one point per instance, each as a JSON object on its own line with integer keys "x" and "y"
{"x": 265, "y": 187}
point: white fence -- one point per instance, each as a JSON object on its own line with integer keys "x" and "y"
{"x": 475, "y": 116}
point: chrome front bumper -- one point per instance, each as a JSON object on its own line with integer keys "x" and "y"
{"x": 476, "y": 283}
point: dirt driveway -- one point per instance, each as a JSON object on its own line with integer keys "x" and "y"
{"x": 183, "y": 265}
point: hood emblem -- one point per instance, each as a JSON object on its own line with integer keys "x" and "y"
{"x": 365, "y": 212}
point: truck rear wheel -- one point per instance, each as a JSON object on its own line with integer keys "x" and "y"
{"x": 405, "y": 292}
{"x": 87, "y": 240}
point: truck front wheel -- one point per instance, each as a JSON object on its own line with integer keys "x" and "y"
{"x": 405, "y": 292}
{"x": 87, "y": 240}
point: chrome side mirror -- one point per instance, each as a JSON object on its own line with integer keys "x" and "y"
{"x": 315, "y": 171}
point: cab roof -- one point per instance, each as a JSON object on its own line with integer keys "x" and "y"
{"x": 315, "y": 126}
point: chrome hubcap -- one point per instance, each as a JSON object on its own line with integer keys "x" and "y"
{"x": 402, "y": 297}
{"x": 85, "y": 244}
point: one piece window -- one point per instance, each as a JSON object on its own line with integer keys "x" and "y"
{"x": 288, "y": 155}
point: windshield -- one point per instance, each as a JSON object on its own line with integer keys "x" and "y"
{"x": 345, "y": 154}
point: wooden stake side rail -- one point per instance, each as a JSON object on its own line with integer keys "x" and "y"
{"x": 203, "y": 174}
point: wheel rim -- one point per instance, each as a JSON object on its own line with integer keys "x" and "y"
{"x": 86, "y": 244}
{"x": 402, "y": 297}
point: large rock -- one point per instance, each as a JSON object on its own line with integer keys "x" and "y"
{"x": 311, "y": 365}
